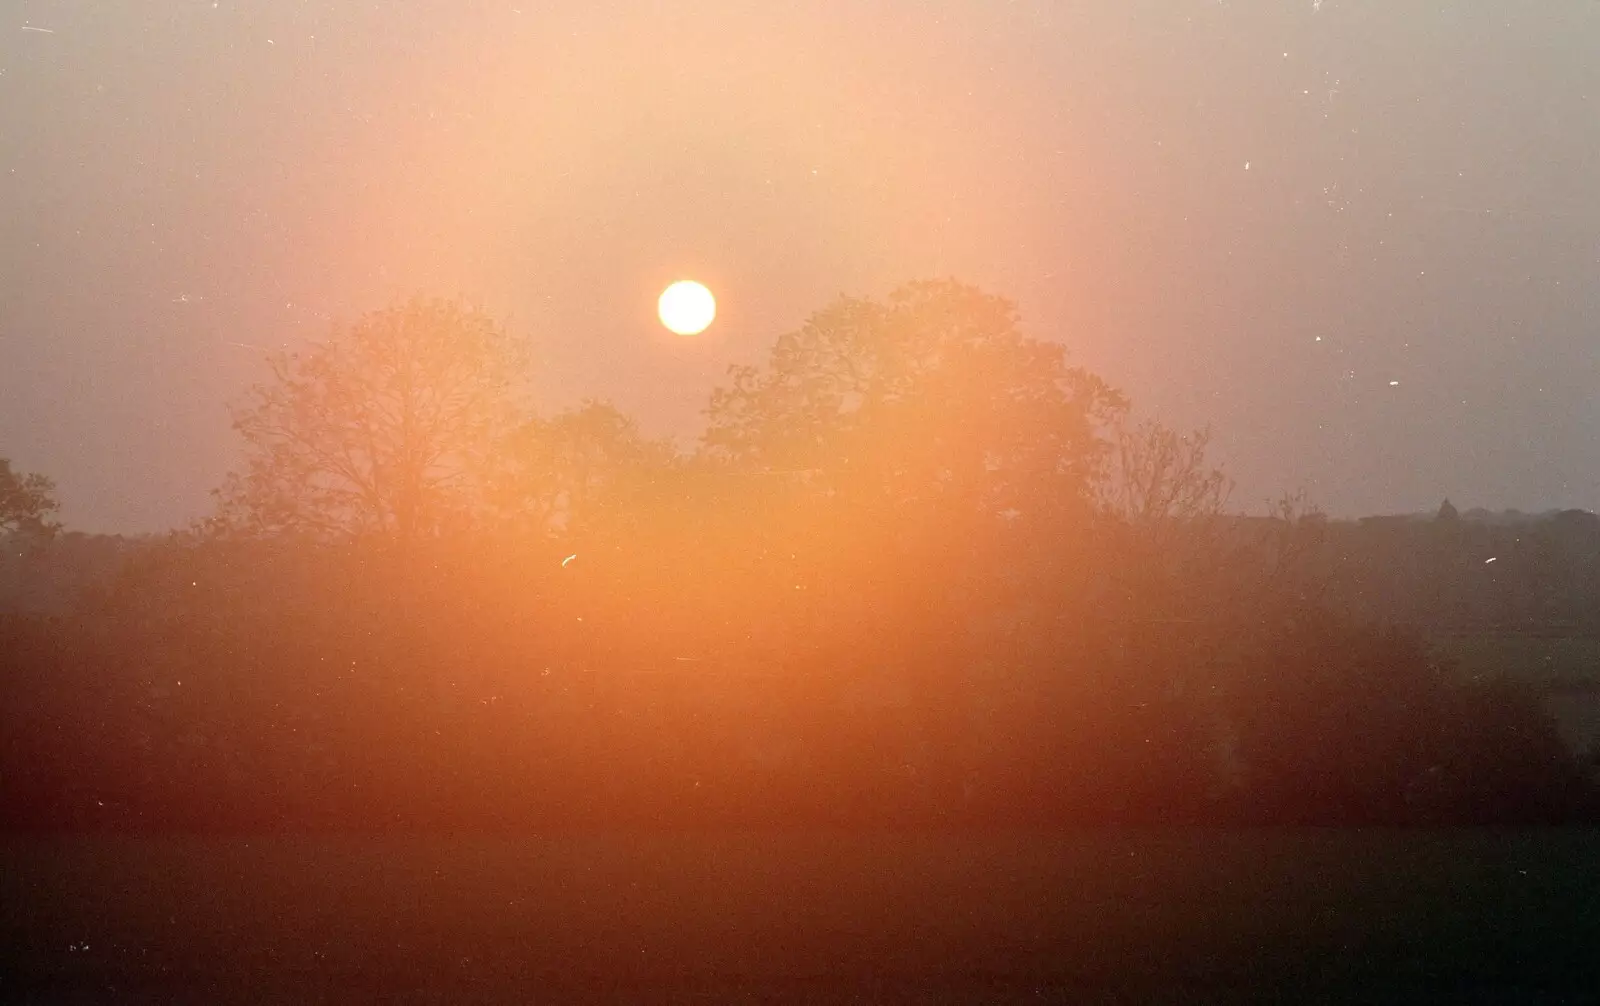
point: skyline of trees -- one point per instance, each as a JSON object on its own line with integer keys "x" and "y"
{"x": 414, "y": 416}
{"x": 327, "y": 445}
{"x": 412, "y": 421}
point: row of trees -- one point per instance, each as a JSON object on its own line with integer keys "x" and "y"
{"x": 413, "y": 423}
{"x": 1457, "y": 576}
{"x": 918, "y": 568}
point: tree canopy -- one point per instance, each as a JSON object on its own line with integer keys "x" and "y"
{"x": 392, "y": 427}
{"x": 27, "y": 501}
{"x": 933, "y": 396}
{"x": 572, "y": 471}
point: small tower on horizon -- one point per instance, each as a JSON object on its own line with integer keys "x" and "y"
{"x": 1448, "y": 514}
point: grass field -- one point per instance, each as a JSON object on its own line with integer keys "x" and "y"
{"x": 1541, "y": 660}
{"x": 1566, "y": 670}
{"x": 1478, "y": 916}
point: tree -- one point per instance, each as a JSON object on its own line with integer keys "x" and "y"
{"x": 933, "y": 400}
{"x": 907, "y": 459}
{"x": 573, "y": 470}
{"x": 920, "y": 448}
{"x": 1158, "y": 475}
{"x": 27, "y": 501}
{"x": 392, "y": 427}
{"x": 1164, "y": 501}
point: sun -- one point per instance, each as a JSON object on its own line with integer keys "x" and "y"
{"x": 687, "y": 307}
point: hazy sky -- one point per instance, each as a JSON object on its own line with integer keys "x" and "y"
{"x": 1258, "y": 215}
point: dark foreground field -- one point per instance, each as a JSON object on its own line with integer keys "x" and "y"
{"x": 1096, "y": 916}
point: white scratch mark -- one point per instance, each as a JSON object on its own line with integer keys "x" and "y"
{"x": 568, "y": 559}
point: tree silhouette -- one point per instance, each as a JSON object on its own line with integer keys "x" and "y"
{"x": 392, "y": 427}
{"x": 931, "y": 452}
{"x": 1164, "y": 500}
{"x": 27, "y": 501}
{"x": 933, "y": 400}
{"x": 572, "y": 471}
{"x": 1159, "y": 475}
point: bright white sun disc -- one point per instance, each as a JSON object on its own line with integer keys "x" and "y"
{"x": 687, "y": 307}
